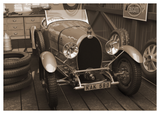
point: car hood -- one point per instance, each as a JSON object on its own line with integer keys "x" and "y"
{"x": 68, "y": 31}
{"x": 74, "y": 24}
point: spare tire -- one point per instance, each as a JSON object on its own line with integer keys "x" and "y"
{"x": 120, "y": 34}
{"x": 16, "y": 72}
{"x": 19, "y": 85}
{"x": 8, "y": 81}
{"x": 14, "y": 60}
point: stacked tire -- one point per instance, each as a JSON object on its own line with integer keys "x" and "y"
{"x": 16, "y": 71}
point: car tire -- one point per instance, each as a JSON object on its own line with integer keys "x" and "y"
{"x": 39, "y": 40}
{"x": 9, "y": 81}
{"x": 22, "y": 59}
{"x": 150, "y": 73}
{"x": 20, "y": 85}
{"x": 16, "y": 72}
{"x": 130, "y": 82}
{"x": 51, "y": 89}
{"x": 126, "y": 35}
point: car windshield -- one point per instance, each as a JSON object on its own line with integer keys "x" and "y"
{"x": 59, "y": 15}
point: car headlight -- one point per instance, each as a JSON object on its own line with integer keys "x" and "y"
{"x": 112, "y": 46}
{"x": 70, "y": 50}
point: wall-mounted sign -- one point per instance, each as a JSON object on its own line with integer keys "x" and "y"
{"x": 135, "y": 11}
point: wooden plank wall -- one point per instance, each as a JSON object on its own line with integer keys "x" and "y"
{"x": 139, "y": 31}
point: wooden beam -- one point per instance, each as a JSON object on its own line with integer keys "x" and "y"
{"x": 109, "y": 21}
{"x": 95, "y": 16}
{"x": 106, "y": 10}
{"x": 150, "y": 16}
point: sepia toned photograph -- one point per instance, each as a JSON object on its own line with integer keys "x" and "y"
{"x": 80, "y": 56}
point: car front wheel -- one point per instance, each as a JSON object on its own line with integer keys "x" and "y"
{"x": 130, "y": 80}
{"x": 51, "y": 89}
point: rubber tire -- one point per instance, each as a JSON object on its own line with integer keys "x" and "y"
{"x": 40, "y": 41}
{"x": 136, "y": 75}
{"x": 24, "y": 59}
{"x": 16, "y": 72}
{"x": 148, "y": 74}
{"x": 14, "y": 80}
{"x": 18, "y": 86}
{"x": 51, "y": 86}
{"x": 126, "y": 35}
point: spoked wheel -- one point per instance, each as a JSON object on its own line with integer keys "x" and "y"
{"x": 149, "y": 65}
{"x": 130, "y": 80}
{"x": 149, "y": 57}
{"x": 120, "y": 35}
{"x": 51, "y": 89}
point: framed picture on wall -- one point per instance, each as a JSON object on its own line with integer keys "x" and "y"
{"x": 135, "y": 11}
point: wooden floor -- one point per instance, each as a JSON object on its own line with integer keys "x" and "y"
{"x": 33, "y": 97}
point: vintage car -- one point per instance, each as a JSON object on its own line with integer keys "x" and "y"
{"x": 69, "y": 46}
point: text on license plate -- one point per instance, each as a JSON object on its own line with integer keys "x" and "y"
{"x": 97, "y": 86}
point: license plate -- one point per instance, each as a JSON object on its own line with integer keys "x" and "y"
{"x": 96, "y": 86}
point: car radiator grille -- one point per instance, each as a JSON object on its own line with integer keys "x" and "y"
{"x": 90, "y": 54}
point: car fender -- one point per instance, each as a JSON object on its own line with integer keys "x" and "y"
{"x": 134, "y": 53}
{"x": 48, "y": 61}
{"x": 33, "y": 28}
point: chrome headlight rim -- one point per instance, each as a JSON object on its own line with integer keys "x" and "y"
{"x": 113, "y": 45}
{"x": 70, "y": 50}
